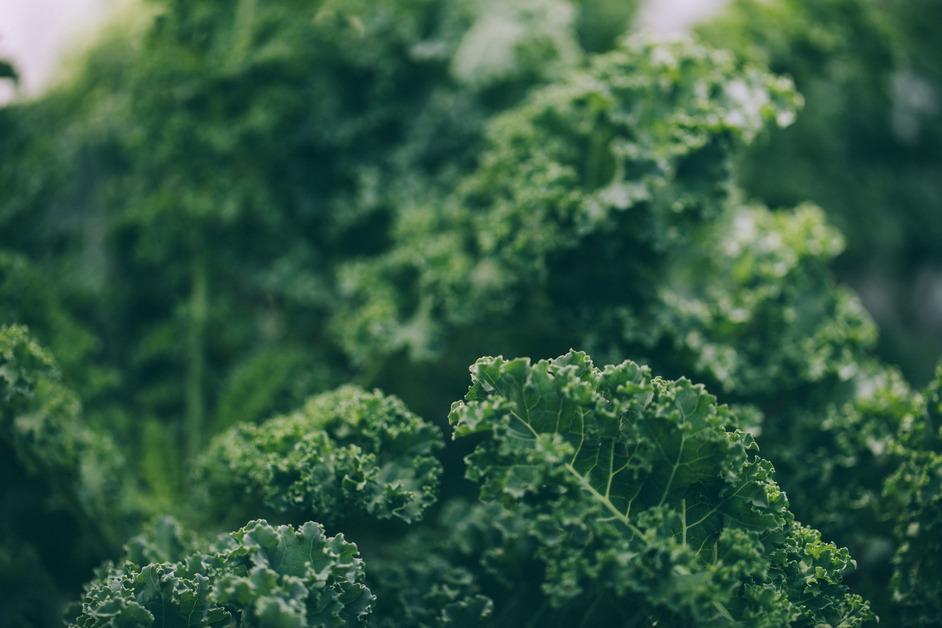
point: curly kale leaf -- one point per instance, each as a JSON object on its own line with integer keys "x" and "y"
{"x": 856, "y": 62}
{"x": 258, "y": 576}
{"x": 754, "y": 279}
{"x": 914, "y": 491}
{"x": 346, "y": 452}
{"x": 833, "y": 457}
{"x": 644, "y": 499}
{"x": 633, "y": 152}
{"x": 751, "y": 308}
{"x": 40, "y": 419}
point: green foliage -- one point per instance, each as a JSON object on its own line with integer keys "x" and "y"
{"x": 529, "y": 256}
{"x": 67, "y": 499}
{"x": 635, "y": 153}
{"x": 41, "y": 422}
{"x": 914, "y": 491}
{"x": 864, "y": 147}
{"x": 231, "y": 207}
{"x": 258, "y": 576}
{"x": 347, "y": 452}
{"x": 759, "y": 280}
{"x": 644, "y": 500}
{"x": 433, "y": 575}
{"x": 160, "y": 225}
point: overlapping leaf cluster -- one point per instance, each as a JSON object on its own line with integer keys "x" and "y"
{"x": 253, "y": 203}
{"x": 634, "y": 155}
{"x": 531, "y": 254}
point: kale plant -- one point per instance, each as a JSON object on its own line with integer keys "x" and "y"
{"x": 264, "y": 242}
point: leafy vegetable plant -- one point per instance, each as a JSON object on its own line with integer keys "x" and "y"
{"x": 293, "y": 225}
{"x": 644, "y": 500}
{"x": 346, "y": 452}
{"x": 259, "y": 575}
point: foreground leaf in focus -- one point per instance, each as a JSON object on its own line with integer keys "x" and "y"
{"x": 644, "y": 499}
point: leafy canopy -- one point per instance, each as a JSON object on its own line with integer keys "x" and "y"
{"x": 239, "y": 206}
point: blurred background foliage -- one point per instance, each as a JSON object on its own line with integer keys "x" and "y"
{"x": 174, "y": 212}
{"x": 184, "y": 223}
{"x": 866, "y": 147}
